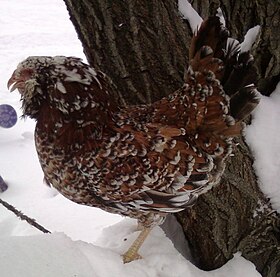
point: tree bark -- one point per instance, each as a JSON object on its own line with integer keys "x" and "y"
{"x": 143, "y": 47}
{"x": 139, "y": 44}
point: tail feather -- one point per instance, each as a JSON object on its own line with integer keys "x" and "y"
{"x": 244, "y": 102}
{"x": 223, "y": 76}
{"x": 240, "y": 74}
{"x": 211, "y": 33}
{"x": 212, "y": 51}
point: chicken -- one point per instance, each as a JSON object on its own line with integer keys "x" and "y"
{"x": 141, "y": 161}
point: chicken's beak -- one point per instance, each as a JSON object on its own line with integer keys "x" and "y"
{"x": 12, "y": 80}
{"x": 16, "y": 81}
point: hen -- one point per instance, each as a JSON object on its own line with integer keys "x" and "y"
{"x": 138, "y": 161}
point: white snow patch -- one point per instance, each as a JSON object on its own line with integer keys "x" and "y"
{"x": 56, "y": 254}
{"x": 250, "y": 38}
{"x": 189, "y": 13}
{"x": 221, "y": 16}
{"x": 263, "y": 137}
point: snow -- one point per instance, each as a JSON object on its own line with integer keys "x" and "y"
{"x": 85, "y": 242}
{"x": 189, "y": 13}
{"x": 58, "y": 255}
{"x": 263, "y": 137}
{"x": 220, "y": 14}
{"x": 250, "y": 38}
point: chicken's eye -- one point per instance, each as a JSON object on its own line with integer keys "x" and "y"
{"x": 26, "y": 73}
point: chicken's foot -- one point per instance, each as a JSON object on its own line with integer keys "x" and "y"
{"x": 132, "y": 253}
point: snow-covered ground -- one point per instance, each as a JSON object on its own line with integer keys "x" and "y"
{"x": 87, "y": 242}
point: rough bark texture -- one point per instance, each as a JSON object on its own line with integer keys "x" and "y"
{"x": 143, "y": 47}
{"x": 138, "y": 44}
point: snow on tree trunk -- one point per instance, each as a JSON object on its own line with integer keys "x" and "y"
{"x": 143, "y": 47}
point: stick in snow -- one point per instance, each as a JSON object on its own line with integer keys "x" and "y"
{"x": 22, "y": 216}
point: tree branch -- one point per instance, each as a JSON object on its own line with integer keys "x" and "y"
{"x": 24, "y": 217}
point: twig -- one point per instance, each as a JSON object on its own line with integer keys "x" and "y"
{"x": 22, "y": 216}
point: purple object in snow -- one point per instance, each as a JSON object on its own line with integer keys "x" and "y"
{"x": 8, "y": 116}
{"x": 3, "y": 185}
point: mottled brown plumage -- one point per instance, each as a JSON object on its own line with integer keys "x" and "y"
{"x": 139, "y": 161}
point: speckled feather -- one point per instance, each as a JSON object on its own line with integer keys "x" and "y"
{"x": 138, "y": 161}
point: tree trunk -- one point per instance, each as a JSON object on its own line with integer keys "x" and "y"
{"x": 139, "y": 44}
{"x": 143, "y": 47}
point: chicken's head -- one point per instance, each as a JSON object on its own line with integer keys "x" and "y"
{"x": 63, "y": 84}
{"x": 28, "y": 79}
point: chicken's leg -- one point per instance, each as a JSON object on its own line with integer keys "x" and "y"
{"x": 132, "y": 253}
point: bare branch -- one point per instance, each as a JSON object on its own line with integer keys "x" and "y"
{"x": 24, "y": 217}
